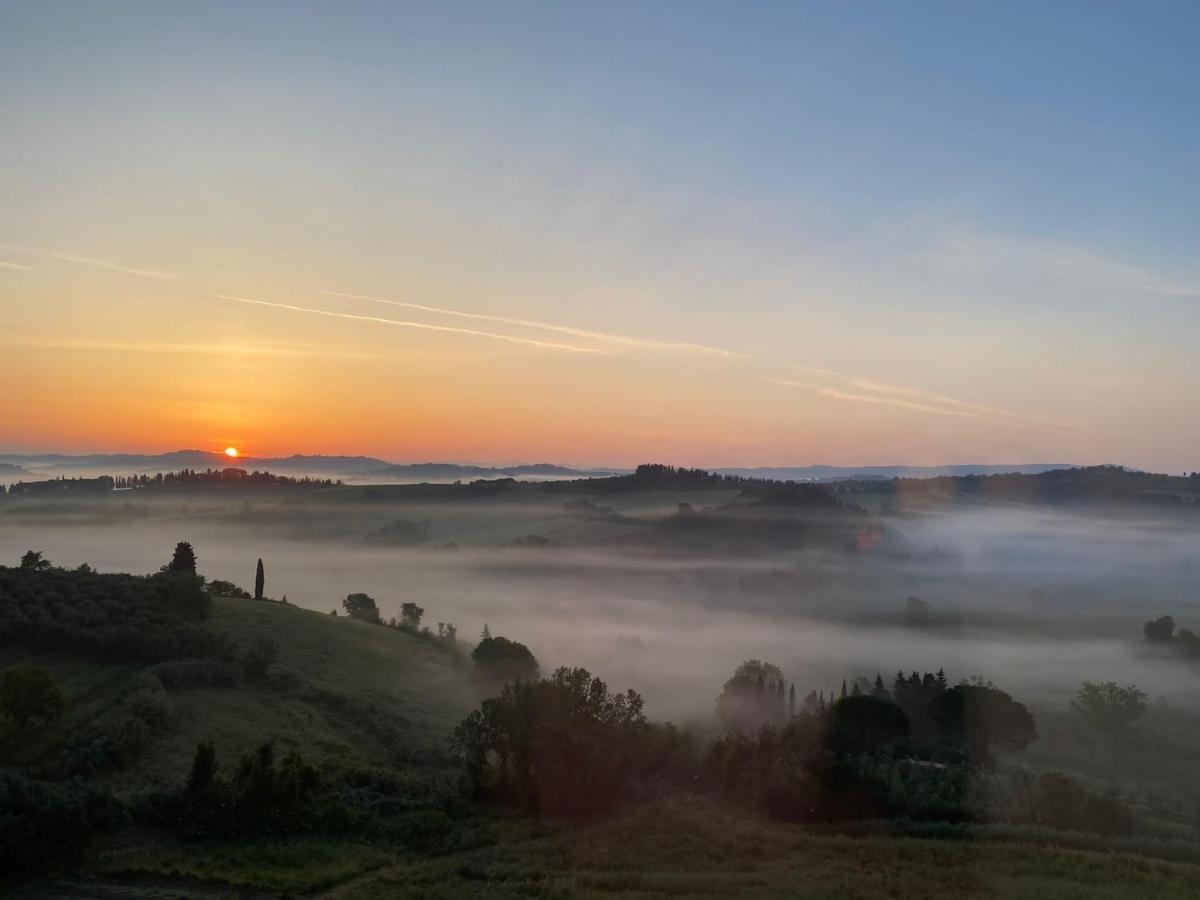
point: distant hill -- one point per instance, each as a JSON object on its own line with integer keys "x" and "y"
{"x": 358, "y": 467}
{"x": 842, "y": 473}
{"x": 453, "y": 471}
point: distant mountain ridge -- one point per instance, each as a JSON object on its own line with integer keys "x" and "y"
{"x": 369, "y": 467}
{"x": 350, "y": 466}
{"x": 842, "y": 473}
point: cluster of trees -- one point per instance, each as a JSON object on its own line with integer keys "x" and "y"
{"x": 364, "y": 608}
{"x": 221, "y": 477}
{"x": 497, "y": 661}
{"x": 1161, "y": 631}
{"x": 566, "y": 745}
{"x": 123, "y": 618}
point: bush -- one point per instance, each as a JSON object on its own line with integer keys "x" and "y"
{"x": 193, "y": 672}
{"x": 46, "y": 824}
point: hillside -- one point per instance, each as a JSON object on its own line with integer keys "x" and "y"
{"x": 342, "y": 692}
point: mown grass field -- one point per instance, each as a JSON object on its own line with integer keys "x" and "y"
{"x": 682, "y": 847}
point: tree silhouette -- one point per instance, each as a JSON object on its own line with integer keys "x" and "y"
{"x": 361, "y": 606}
{"x": 410, "y": 615}
{"x": 184, "y": 559}
{"x": 33, "y": 559}
{"x": 260, "y": 581}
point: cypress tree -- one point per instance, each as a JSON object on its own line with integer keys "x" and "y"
{"x": 260, "y": 581}
{"x": 792, "y": 702}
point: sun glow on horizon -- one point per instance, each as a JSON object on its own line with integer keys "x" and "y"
{"x": 232, "y": 452}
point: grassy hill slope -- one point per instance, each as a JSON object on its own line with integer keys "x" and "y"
{"x": 342, "y": 692}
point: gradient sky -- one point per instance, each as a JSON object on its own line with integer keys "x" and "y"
{"x": 715, "y": 234}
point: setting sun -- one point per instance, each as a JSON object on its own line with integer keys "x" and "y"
{"x": 231, "y": 452}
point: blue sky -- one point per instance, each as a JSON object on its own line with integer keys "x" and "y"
{"x": 993, "y": 204}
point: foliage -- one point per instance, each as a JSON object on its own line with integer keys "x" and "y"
{"x": 566, "y": 745}
{"x": 124, "y": 618}
{"x": 259, "y": 656}
{"x": 45, "y": 824}
{"x": 410, "y": 615}
{"x": 175, "y": 674}
{"x": 752, "y": 697}
{"x": 123, "y": 734}
{"x": 29, "y": 693}
{"x": 499, "y": 660}
{"x": 362, "y": 607}
{"x": 33, "y": 559}
{"x": 219, "y": 588}
{"x": 864, "y": 724}
{"x": 983, "y": 717}
{"x": 1110, "y": 707}
{"x": 183, "y": 561}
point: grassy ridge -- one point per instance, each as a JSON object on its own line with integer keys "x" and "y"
{"x": 342, "y": 692}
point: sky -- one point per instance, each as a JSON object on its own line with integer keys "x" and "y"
{"x": 702, "y": 233}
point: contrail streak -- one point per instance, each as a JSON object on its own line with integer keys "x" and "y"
{"x": 621, "y": 339}
{"x": 422, "y": 326}
{"x": 91, "y": 261}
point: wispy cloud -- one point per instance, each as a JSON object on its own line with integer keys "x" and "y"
{"x": 839, "y": 394}
{"x": 4, "y": 264}
{"x": 421, "y": 326}
{"x": 210, "y": 349}
{"x": 1170, "y": 290}
{"x": 90, "y": 261}
{"x": 604, "y": 336}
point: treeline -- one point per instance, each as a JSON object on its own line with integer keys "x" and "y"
{"x": 1086, "y": 484}
{"x": 219, "y": 477}
{"x": 118, "y": 618}
{"x": 1161, "y": 633}
{"x": 921, "y": 750}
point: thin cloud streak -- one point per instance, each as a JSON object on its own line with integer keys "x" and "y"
{"x": 91, "y": 261}
{"x": 421, "y": 326}
{"x": 838, "y": 394}
{"x": 225, "y": 350}
{"x": 17, "y": 266}
{"x": 624, "y": 340}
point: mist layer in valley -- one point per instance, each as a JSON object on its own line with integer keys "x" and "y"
{"x": 1036, "y": 600}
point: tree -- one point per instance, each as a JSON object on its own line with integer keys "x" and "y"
{"x": 564, "y": 744}
{"x": 260, "y": 581}
{"x": 29, "y": 692}
{"x": 863, "y": 724}
{"x": 982, "y": 717}
{"x": 204, "y": 768}
{"x": 259, "y": 656}
{"x": 410, "y": 615}
{"x": 361, "y": 606}
{"x": 878, "y": 689}
{"x": 499, "y": 660}
{"x": 1109, "y": 706}
{"x": 220, "y": 588}
{"x": 1161, "y": 629}
{"x": 33, "y": 559}
{"x": 916, "y": 611}
{"x": 745, "y": 704}
{"x": 183, "y": 561}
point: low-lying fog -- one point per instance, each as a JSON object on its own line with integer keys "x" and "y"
{"x": 1036, "y": 602}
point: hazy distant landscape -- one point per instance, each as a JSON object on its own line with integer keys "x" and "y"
{"x": 570, "y": 451}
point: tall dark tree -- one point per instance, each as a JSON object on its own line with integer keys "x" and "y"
{"x": 879, "y": 690}
{"x": 183, "y": 561}
{"x": 410, "y": 615}
{"x": 792, "y": 702}
{"x": 983, "y": 717}
{"x": 260, "y": 581}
